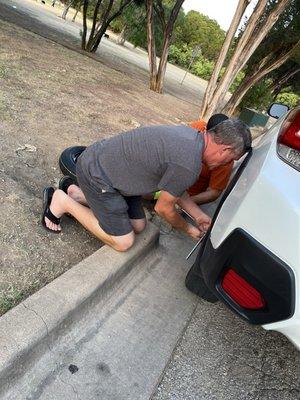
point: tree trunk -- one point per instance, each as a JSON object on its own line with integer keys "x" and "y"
{"x": 248, "y": 43}
{"x": 94, "y": 43}
{"x": 242, "y": 5}
{"x": 84, "y": 31}
{"x": 276, "y": 92}
{"x": 95, "y": 40}
{"x": 76, "y": 12}
{"x": 151, "y": 45}
{"x": 66, "y": 9}
{"x": 252, "y": 80}
{"x": 163, "y": 63}
{"x": 96, "y": 10}
{"x": 215, "y": 100}
{"x": 121, "y": 38}
{"x": 156, "y": 83}
{"x": 258, "y": 37}
{"x": 279, "y": 83}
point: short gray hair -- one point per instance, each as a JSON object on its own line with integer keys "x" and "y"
{"x": 233, "y": 132}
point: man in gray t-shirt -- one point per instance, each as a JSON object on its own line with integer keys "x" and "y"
{"x": 146, "y": 159}
{"x": 113, "y": 174}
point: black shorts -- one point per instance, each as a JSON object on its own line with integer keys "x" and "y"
{"x": 112, "y": 210}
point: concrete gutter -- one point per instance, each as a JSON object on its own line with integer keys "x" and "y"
{"x": 32, "y": 327}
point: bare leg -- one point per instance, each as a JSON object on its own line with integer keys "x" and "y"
{"x": 62, "y": 203}
{"x": 138, "y": 224}
{"x": 77, "y": 194}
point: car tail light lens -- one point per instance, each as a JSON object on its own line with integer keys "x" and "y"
{"x": 288, "y": 143}
{"x": 244, "y": 294}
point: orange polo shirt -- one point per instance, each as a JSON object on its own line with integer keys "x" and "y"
{"x": 217, "y": 178}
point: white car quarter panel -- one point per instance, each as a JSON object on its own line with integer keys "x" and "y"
{"x": 265, "y": 202}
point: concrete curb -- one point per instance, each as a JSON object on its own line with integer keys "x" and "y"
{"x": 33, "y": 325}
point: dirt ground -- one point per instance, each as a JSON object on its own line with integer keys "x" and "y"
{"x": 52, "y": 98}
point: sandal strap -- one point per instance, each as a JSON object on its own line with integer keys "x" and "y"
{"x": 51, "y": 216}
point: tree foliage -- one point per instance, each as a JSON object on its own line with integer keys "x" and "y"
{"x": 261, "y": 22}
{"x": 133, "y": 21}
{"x": 276, "y": 46}
{"x": 190, "y": 29}
{"x": 198, "y": 29}
{"x": 290, "y": 99}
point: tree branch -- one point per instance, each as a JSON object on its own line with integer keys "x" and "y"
{"x": 151, "y": 44}
{"x": 256, "y": 77}
{"x": 245, "y": 49}
{"x": 97, "y": 6}
{"x": 84, "y": 24}
{"x": 239, "y": 12}
{"x": 160, "y": 12}
{"x": 293, "y": 71}
{"x": 105, "y": 24}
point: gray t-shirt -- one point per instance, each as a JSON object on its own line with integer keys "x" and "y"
{"x": 146, "y": 159}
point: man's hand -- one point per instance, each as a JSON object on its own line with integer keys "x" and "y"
{"x": 203, "y": 222}
{"x": 194, "y": 232}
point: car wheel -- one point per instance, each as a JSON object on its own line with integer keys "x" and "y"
{"x": 68, "y": 159}
{"x": 196, "y": 284}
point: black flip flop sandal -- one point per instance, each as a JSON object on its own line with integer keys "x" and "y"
{"x": 47, "y": 197}
{"x": 65, "y": 182}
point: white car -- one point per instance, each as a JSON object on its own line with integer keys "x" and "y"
{"x": 250, "y": 258}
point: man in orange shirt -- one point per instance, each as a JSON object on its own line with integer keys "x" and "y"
{"x": 210, "y": 183}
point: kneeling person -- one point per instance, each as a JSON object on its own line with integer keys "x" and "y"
{"x": 114, "y": 173}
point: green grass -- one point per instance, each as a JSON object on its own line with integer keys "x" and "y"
{"x": 3, "y": 71}
{"x": 10, "y": 300}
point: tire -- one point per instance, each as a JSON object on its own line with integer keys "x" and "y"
{"x": 195, "y": 283}
{"x": 68, "y": 159}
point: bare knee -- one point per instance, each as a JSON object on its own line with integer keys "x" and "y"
{"x": 123, "y": 243}
{"x": 138, "y": 225}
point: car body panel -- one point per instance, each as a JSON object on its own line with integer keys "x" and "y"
{"x": 265, "y": 203}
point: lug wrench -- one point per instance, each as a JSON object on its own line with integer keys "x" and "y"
{"x": 199, "y": 241}
{"x": 194, "y": 248}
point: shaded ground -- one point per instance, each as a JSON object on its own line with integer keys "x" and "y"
{"x": 52, "y": 98}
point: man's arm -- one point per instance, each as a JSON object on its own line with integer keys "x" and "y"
{"x": 186, "y": 203}
{"x": 165, "y": 207}
{"x": 218, "y": 180}
{"x": 207, "y": 196}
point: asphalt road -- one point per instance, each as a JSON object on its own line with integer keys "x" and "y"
{"x": 134, "y": 61}
{"x": 221, "y": 357}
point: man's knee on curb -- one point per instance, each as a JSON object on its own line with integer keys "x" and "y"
{"x": 138, "y": 225}
{"x": 123, "y": 243}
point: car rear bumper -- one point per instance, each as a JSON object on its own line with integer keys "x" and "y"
{"x": 265, "y": 272}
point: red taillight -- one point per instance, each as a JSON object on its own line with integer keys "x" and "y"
{"x": 241, "y": 291}
{"x": 290, "y": 131}
{"x": 288, "y": 143}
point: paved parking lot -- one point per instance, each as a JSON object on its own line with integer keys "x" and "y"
{"x": 222, "y": 357}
